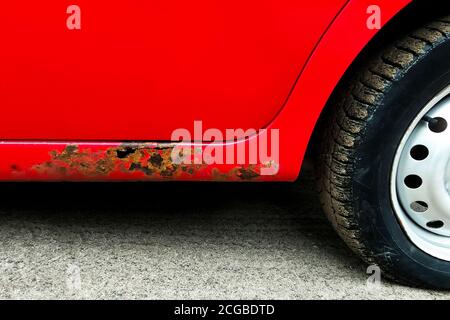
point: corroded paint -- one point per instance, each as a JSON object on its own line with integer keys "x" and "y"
{"x": 138, "y": 161}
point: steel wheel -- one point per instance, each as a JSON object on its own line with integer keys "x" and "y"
{"x": 384, "y": 161}
{"x": 420, "y": 185}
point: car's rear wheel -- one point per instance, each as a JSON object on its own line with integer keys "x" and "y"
{"x": 384, "y": 163}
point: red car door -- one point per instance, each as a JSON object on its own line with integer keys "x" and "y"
{"x": 137, "y": 70}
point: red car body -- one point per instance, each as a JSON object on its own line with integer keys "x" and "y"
{"x": 100, "y": 103}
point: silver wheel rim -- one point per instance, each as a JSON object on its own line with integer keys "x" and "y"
{"x": 420, "y": 179}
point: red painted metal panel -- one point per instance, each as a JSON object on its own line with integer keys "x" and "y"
{"x": 337, "y": 50}
{"x": 139, "y": 69}
{"x": 343, "y": 41}
{"x": 83, "y": 161}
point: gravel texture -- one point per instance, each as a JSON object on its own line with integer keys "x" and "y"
{"x": 177, "y": 241}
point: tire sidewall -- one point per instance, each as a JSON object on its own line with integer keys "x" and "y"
{"x": 375, "y": 154}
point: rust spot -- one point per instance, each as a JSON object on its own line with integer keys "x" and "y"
{"x": 237, "y": 173}
{"x": 125, "y": 152}
{"x": 247, "y": 173}
{"x": 153, "y": 160}
{"x": 104, "y": 166}
{"x": 139, "y": 167}
{"x": 71, "y": 160}
{"x": 147, "y": 160}
{"x": 156, "y": 160}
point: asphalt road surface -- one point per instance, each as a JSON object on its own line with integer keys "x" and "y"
{"x": 177, "y": 241}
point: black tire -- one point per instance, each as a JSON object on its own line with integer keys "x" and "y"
{"x": 358, "y": 148}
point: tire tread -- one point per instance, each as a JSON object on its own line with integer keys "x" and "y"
{"x": 346, "y": 128}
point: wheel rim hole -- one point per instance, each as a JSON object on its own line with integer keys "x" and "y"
{"x": 413, "y": 181}
{"x": 438, "y": 125}
{"x": 419, "y": 206}
{"x": 419, "y": 152}
{"x": 435, "y": 224}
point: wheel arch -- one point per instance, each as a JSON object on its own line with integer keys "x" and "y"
{"x": 346, "y": 44}
{"x": 408, "y": 17}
